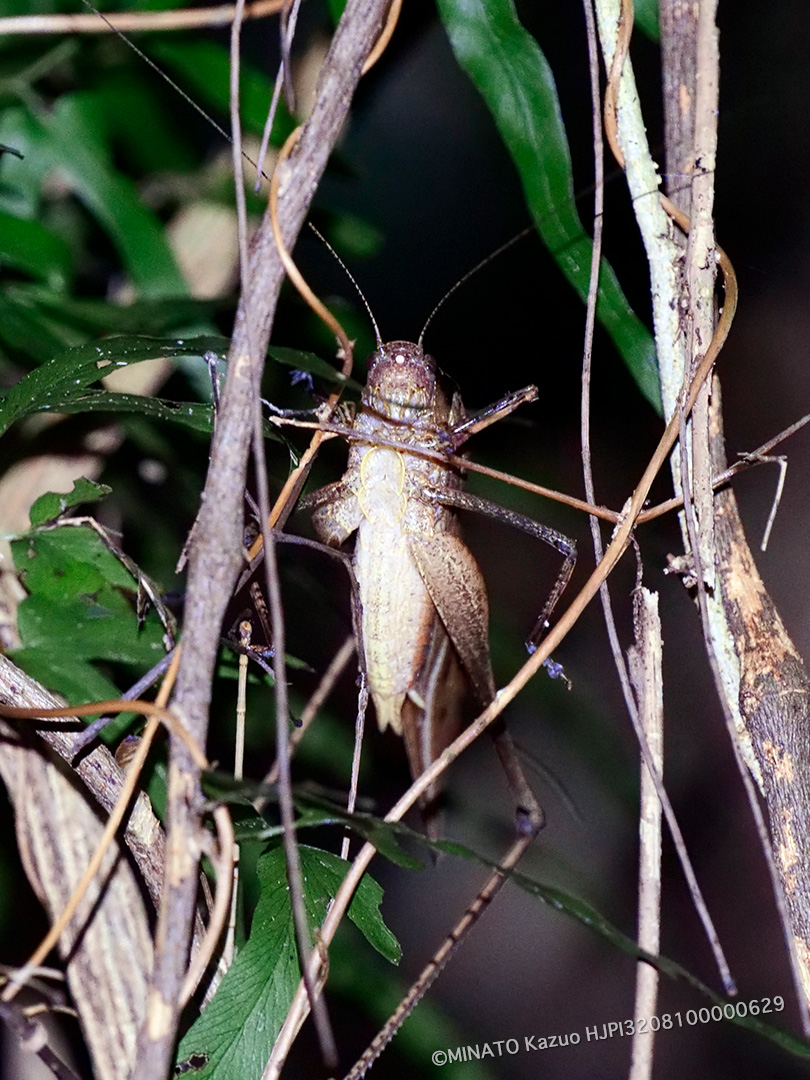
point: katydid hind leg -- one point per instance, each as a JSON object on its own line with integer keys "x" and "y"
{"x": 462, "y": 500}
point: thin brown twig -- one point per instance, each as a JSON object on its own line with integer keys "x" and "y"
{"x": 224, "y": 863}
{"x": 313, "y": 706}
{"x": 651, "y": 768}
{"x": 114, "y": 705}
{"x": 323, "y": 1027}
{"x": 781, "y": 462}
{"x": 530, "y": 821}
{"x": 381, "y": 44}
{"x": 295, "y": 481}
{"x": 748, "y": 460}
{"x": 158, "y": 714}
{"x": 33, "y": 1038}
{"x": 354, "y": 779}
{"x": 644, "y": 660}
{"x": 331, "y": 430}
{"x": 280, "y": 511}
{"x": 133, "y": 21}
{"x": 622, "y": 46}
{"x": 637, "y": 707}
{"x": 306, "y": 951}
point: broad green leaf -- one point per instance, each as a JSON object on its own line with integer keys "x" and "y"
{"x": 31, "y": 248}
{"x": 354, "y": 237}
{"x": 144, "y": 132}
{"x": 75, "y": 145}
{"x": 510, "y": 71}
{"x": 314, "y": 811}
{"x": 24, "y": 331}
{"x": 379, "y": 833}
{"x": 189, "y": 414}
{"x": 66, "y": 377}
{"x": 80, "y": 610}
{"x": 236, "y": 1032}
{"x": 336, "y": 8}
{"x": 384, "y": 835}
{"x": 53, "y": 504}
{"x": 40, "y": 323}
{"x": 71, "y": 138}
{"x": 21, "y": 189}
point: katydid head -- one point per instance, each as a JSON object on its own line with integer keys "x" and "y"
{"x": 402, "y": 383}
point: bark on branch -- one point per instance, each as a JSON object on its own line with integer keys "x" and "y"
{"x": 763, "y": 675}
{"x": 216, "y": 554}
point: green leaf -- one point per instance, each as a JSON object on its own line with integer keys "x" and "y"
{"x": 80, "y": 610}
{"x": 314, "y": 811}
{"x": 325, "y": 872}
{"x": 385, "y": 836}
{"x": 336, "y": 9}
{"x": 21, "y": 190}
{"x": 66, "y": 377}
{"x": 646, "y": 18}
{"x": 189, "y": 414}
{"x": 31, "y": 248}
{"x": 236, "y": 1032}
{"x": 354, "y": 236}
{"x": 152, "y": 140}
{"x": 72, "y": 137}
{"x": 309, "y": 362}
{"x": 204, "y": 70}
{"x": 509, "y": 69}
{"x": 588, "y": 916}
{"x": 53, "y": 504}
{"x": 24, "y": 330}
{"x": 94, "y": 317}
{"x": 591, "y": 918}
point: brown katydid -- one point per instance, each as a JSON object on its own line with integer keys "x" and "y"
{"x": 424, "y": 612}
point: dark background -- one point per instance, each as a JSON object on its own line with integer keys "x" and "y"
{"x": 422, "y": 162}
{"x": 434, "y": 176}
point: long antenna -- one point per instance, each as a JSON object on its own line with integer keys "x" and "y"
{"x": 178, "y": 89}
{"x": 469, "y": 274}
{"x": 351, "y": 278}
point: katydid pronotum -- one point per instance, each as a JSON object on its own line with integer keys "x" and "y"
{"x": 425, "y": 616}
